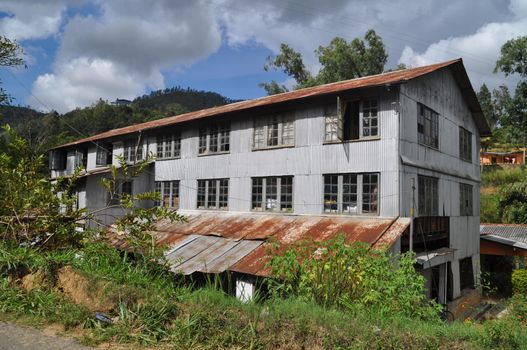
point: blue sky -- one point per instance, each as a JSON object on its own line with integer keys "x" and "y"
{"x": 78, "y": 51}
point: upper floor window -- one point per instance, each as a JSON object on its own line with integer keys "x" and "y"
{"x": 428, "y": 195}
{"x": 276, "y": 130}
{"x": 351, "y": 193}
{"x": 103, "y": 154}
{"x": 81, "y": 158}
{"x": 133, "y": 150}
{"x": 351, "y": 120}
{"x": 465, "y": 200}
{"x": 214, "y": 138}
{"x": 427, "y": 126}
{"x": 465, "y": 144}
{"x": 213, "y": 194}
{"x": 169, "y": 146}
{"x": 169, "y": 191}
{"x": 57, "y": 160}
{"x": 272, "y": 193}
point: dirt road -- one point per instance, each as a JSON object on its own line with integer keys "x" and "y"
{"x": 13, "y": 337}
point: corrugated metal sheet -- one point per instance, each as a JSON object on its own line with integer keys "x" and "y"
{"x": 370, "y": 81}
{"x": 514, "y": 232}
{"x": 214, "y": 242}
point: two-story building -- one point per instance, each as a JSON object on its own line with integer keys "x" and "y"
{"x": 350, "y": 157}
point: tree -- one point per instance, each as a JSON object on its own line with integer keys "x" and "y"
{"x": 340, "y": 60}
{"x": 10, "y": 56}
{"x": 513, "y": 60}
{"x": 487, "y": 105}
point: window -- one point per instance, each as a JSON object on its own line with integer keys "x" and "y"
{"x": 272, "y": 193}
{"x": 213, "y": 194}
{"x": 342, "y": 193}
{"x": 214, "y": 139}
{"x": 351, "y": 120}
{"x": 277, "y": 130}
{"x": 133, "y": 151}
{"x": 369, "y": 118}
{"x": 466, "y": 273}
{"x": 428, "y": 200}
{"x": 465, "y": 200}
{"x": 122, "y": 187}
{"x": 169, "y": 146}
{"x": 81, "y": 158}
{"x": 370, "y": 185}
{"x": 169, "y": 191}
{"x": 465, "y": 144}
{"x": 427, "y": 126}
{"x": 57, "y": 160}
{"x": 103, "y": 155}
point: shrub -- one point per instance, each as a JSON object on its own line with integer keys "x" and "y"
{"x": 351, "y": 276}
{"x": 519, "y": 281}
{"x": 500, "y": 334}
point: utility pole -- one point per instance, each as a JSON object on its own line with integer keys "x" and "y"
{"x": 412, "y": 210}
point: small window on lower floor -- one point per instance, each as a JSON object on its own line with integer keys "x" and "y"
{"x": 122, "y": 188}
{"x": 213, "y": 194}
{"x": 169, "y": 191}
{"x": 274, "y": 193}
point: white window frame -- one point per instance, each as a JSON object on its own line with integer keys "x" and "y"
{"x": 168, "y": 146}
{"x": 263, "y": 203}
{"x": 359, "y": 192}
{"x": 261, "y": 130}
{"x": 133, "y": 150}
{"x": 220, "y": 132}
{"x": 334, "y": 120}
{"x": 218, "y": 185}
{"x": 173, "y": 193}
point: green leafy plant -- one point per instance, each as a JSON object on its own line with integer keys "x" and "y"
{"x": 519, "y": 281}
{"x": 351, "y": 275}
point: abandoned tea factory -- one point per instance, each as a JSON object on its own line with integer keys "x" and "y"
{"x": 391, "y": 160}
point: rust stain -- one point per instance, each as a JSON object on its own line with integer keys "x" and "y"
{"x": 395, "y": 77}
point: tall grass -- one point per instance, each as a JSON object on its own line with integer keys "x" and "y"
{"x": 497, "y": 176}
{"x": 173, "y": 315}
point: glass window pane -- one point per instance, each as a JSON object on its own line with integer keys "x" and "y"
{"x": 349, "y": 193}
{"x": 331, "y": 193}
{"x": 286, "y": 193}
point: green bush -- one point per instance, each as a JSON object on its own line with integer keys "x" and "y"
{"x": 519, "y": 281}
{"x": 502, "y": 334}
{"x": 335, "y": 273}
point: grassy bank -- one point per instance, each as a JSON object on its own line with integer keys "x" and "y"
{"x": 496, "y": 184}
{"x": 150, "y": 306}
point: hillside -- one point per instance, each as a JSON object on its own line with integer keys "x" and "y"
{"x": 43, "y": 131}
{"x": 16, "y": 115}
{"x": 504, "y": 194}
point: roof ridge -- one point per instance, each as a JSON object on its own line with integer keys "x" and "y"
{"x": 392, "y": 77}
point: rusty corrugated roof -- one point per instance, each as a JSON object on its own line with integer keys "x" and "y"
{"x": 217, "y": 241}
{"x": 394, "y": 77}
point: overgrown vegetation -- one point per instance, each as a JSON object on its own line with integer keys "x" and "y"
{"x": 352, "y": 276}
{"x": 504, "y": 195}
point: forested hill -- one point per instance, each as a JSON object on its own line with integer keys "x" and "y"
{"x": 191, "y": 100}
{"x": 43, "y": 131}
{"x": 15, "y": 115}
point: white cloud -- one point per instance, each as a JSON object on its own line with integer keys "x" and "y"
{"x": 82, "y": 81}
{"x": 31, "y": 19}
{"x": 479, "y": 50}
{"x": 124, "y": 50}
